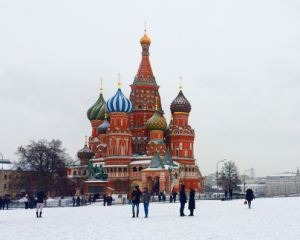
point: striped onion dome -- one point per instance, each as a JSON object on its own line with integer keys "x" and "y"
{"x": 156, "y": 122}
{"x": 85, "y": 153}
{"x": 119, "y": 103}
{"x": 102, "y": 128}
{"x": 97, "y": 111}
{"x": 180, "y": 104}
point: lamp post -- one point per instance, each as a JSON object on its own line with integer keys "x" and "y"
{"x": 170, "y": 169}
{"x": 218, "y": 175}
{"x": 244, "y": 180}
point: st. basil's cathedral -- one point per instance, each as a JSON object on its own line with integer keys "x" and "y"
{"x": 133, "y": 143}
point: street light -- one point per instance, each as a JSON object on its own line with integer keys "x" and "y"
{"x": 218, "y": 175}
{"x": 170, "y": 169}
{"x": 244, "y": 180}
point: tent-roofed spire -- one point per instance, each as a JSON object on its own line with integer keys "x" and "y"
{"x": 156, "y": 161}
{"x": 168, "y": 159}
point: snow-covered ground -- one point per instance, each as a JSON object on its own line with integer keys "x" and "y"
{"x": 270, "y": 218}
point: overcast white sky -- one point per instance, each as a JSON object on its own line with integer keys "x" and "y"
{"x": 239, "y": 61}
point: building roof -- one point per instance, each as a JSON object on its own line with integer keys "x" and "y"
{"x": 156, "y": 161}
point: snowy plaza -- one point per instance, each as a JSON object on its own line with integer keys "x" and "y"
{"x": 269, "y": 218}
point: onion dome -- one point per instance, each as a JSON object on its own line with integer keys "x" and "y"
{"x": 85, "y": 153}
{"x": 119, "y": 103}
{"x": 180, "y": 103}
{"x": 105, "y": 125}
{"x": 156, "y": 122}
{"x": 97, "y": 111}
{"x": 145, "y": 39}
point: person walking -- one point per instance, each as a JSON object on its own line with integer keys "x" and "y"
{"x": 26, "y": 201}
{"x": 31, "y": 201}
{"x": 249, "y": 196}
{"x": 174, "y": 196}
{"x": 226, "y": 195}
{"x": 146, "y": 197}
{"x": 192, "y": 204}
{"x": 105, "y": 199}
{"x": 90, "y": 200}
{"x": 6, "y": 202}
{"x": 182, "y": 200}
{"x": 78, "y": 201}
{"x": 129, "y": 197}
{"x": 230, "y": 194}
{"x": 136, "y": 195}
{"x": 164, "y": 197}
{"x": 40, "y": 203}
{"x": 74, "y": 200}
{"x": 1, "y": 203}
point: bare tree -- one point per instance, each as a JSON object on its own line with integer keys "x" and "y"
{"x": 42, "y": 165}
{"x": 229, "y": 176}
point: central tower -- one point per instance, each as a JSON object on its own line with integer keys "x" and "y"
{"x": 144, "y": 92}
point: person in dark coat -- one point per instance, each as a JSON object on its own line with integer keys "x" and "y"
{"x": 1, "y": 203}
{"x": 192, "y": 204}
{"x": 164, "y": 197}
{"x": 159, "y": 198}
{"x": 249, "y": 196}
{"x": 105, "y": 199}
{"x": 40, "y": 203}
{"x": 174, "y": 195}
{"x": 6, "y": 202}
{"x": 78, "y": 201}
{"x": 230, "y": 194}
{"x": 31, "y": 201}
{"x": 74, "y": 200}
{"x": 136, "y": 195}
{"x": 182, "y": 200}
{"x": 226, "y": 195}
{"x": 90, "y": 200}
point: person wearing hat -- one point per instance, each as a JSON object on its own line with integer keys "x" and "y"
{"x": 249, "y": 196}
{"x": 182, "y": 200}
{"x": 192, "y": 204}
{"x": 136, "y": 195}
{"x": 26, "y": 201}
{"x": 146, "y": 197}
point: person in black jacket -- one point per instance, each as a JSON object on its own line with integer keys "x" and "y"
{"x": 136, "y": 195}
{"x": 40, "y": 203}
{"x": 226, "y": 195}
{"x": 78, "y": 201}
{"x": 6, "y": 202}
{"x": 192, "y": 204}
{"x": 182, "y": 200}
{"x": 174, "y": 196}
{"x": 230, "y": 194}
{"x": 249, "y": 196}
{"x": 1, "y": 203}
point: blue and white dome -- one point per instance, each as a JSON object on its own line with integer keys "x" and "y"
{"x": 119, "y": 103}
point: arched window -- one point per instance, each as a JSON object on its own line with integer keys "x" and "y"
{"x": 134, "y": 169}
{"x": 124, "y": 169}
{"x": 136, "y": 147}
{"x": 193, "y": 170}
{"x": 140, "y": 106}
{"x": 115, "y": 169}
{"x": 138, "y": 123}
{"x": 140, "y": 169}
{"x": 74, "y": 172}
{"x": 142, "y": 145}
{"x": 119, "y": 169}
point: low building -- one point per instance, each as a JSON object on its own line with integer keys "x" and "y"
{"x": 8, "y": 173}
{"x": 283, "y": 183}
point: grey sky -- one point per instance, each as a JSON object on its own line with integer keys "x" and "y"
{"x": 239, "y": 61}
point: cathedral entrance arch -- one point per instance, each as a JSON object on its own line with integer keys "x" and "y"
{"x": 150, "y": 183}
{"x": 156, "y": 185}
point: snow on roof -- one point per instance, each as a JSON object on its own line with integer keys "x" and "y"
{"x": 7, "y": 166}
{"x": 283, "y": 175}
{"x": 140, "y": 162}
{"x": 115, "y": 166}
{"x": 93, "y": 181}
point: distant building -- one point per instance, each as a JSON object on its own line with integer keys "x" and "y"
{"x": 9, "y": 173}
{"x": 252, "y": 174}
{"x": 283, "y": 183}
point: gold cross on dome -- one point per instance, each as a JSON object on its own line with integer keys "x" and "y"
{"x": 180, "y": 83}
{"x": 119, "y": 80}
{"x": 101, "y": 85}
{"x": 85, "y": 140}
{"x": 145, "y": 26}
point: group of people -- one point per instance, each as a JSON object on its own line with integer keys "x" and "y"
{"x": 107, "y": 199}
{"x": 30, "y": 202}
{"x": 137, "y": 196}
{"x": 76, "y": 201}
{"x": 230, "y": 194}
{"x": 4, "y": 202}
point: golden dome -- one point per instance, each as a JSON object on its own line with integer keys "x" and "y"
{"x": 145, "y": 39}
